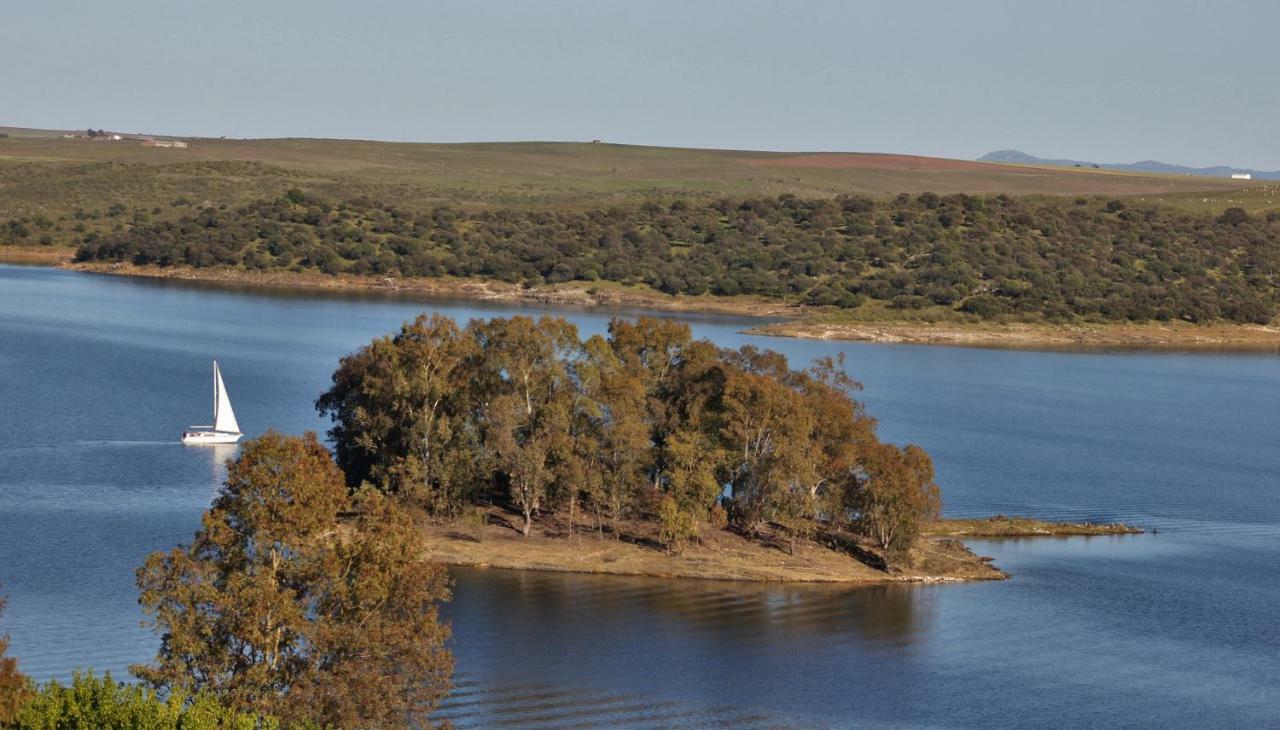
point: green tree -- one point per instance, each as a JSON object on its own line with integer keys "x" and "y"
{"x": 279, "y": 607}
{"x": 690, "y": 475}
{"x": 521, "y": 451}
{"x": 676, "y": 525}
{"x": 402, "y": 410}
{"x": 622, "y": 429}
{"x": 895, "y": 496}
{"x": 766, "y": 442}
{"x": 525, "y": 393}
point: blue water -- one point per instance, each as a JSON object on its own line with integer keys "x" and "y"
{"x": 99, "y": 375}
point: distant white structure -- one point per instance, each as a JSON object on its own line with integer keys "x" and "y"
{"x": 163, "y": 143}
{"x": 1241, "y": 176}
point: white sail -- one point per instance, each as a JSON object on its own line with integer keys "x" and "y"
{"x": 224, "y": 419}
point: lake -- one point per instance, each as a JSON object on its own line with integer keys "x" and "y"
{"x": 100, "y": 375}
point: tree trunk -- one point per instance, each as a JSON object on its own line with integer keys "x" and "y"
{"x": 528, "y": 520}
{"x": 573, "y": 502}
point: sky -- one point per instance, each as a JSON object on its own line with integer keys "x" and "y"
{"x": 1184, "y": 82}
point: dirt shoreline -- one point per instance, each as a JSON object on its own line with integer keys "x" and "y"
{"x": 1002, "y": 526}
{"x": 723, "y": 555}
{"x": 1126, "y": 336}
{"x": 800, "y": 322}
{"x": 582, "y": 294}
{"x": 36, "y": 255}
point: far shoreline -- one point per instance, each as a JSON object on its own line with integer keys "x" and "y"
{"x": 788, "y": 320}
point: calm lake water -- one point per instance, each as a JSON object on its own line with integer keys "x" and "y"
{"x": 99, "y": 375}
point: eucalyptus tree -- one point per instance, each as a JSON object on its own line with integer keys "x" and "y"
{"x": 403, "y": 410}
{"x": 280, "y": 606}
{"x": 525, "y": 369}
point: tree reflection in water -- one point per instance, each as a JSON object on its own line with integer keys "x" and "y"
{"x": 694, "y": 648}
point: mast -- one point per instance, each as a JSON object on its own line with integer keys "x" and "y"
{"x": 216, "y": 380}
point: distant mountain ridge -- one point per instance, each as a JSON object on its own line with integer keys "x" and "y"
{"x": 1022, "y": 158}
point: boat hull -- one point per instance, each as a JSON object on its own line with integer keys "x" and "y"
{"x": 201, "y": 438}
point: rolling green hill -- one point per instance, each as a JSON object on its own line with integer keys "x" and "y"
{"x": 42, "y": 173}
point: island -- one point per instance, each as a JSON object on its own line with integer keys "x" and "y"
{"x": 643, "y": 451}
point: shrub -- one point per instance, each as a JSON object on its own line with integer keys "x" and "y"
{"x": 983, "y": 305}
{"x": 1234, "y": 216}
{"x": 676, "y": 526}
{"x": 101, "y": 702}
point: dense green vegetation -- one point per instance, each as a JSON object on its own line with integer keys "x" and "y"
{"x": 103, "y": 703}
{"x": 645, "y": 424}
{"x": 985, "y": 256}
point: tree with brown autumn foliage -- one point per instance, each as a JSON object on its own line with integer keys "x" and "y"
{"x": 280, "y": 607}
{"x": 644, "y": 424}
{"x": 15, "y": 687}
{"x": 895, "y": 495}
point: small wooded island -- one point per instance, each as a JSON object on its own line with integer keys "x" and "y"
{"x": 642, "y": 452}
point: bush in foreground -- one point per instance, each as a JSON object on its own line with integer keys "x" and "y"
{"x": 101, "y": 703}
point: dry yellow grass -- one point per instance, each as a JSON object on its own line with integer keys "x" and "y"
{"x": 719, "y": 555}
{"x": 44, "y": 172}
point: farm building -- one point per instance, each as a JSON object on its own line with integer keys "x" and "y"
{"x": 163, "y": 143}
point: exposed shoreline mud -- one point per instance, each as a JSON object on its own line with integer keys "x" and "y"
{"x": 799, "y": 322}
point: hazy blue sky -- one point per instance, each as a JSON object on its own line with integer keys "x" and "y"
{"x": 1188, "y": 82}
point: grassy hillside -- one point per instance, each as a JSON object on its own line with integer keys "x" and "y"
{"x": 41, "y": 173}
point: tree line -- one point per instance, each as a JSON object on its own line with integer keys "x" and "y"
{"x": 996, "y": 256}
{"x": 645, "y": 424}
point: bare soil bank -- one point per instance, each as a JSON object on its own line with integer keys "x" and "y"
{"x": 805, "y": 323}
{"x": 1001, "y": 526}
{"x": 1172, "y": 335}
{"x": 572, "y": 294}
{"x": 42, "y": 255}
{"x": 728, "y": 555}
{"x": 722, "y": 555}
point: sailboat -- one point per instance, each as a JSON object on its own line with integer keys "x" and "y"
{"x": 224, "y": 430}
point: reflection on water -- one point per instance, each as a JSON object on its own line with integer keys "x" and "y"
{"x": 882, "y": 614}
{"x": 218, "y": 455}
{"x": 596, "y": 640}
